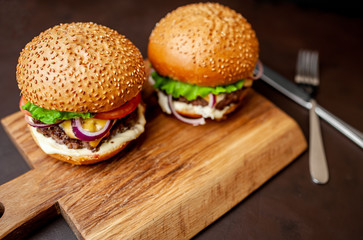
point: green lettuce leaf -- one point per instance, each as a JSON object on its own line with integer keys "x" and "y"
{"x": 52, "y": 116}
{"x": 191, "y": 91}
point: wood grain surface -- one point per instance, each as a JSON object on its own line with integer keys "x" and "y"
{"x": 169, "y": 184}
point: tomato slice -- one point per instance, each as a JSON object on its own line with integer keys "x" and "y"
{"x": 21, "y": 103}
{"x": 122, "y": 111}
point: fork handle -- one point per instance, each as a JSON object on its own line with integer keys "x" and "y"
{"x": 317, "y": 161}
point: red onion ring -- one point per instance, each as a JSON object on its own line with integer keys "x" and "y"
{"x": 212, "y": 100}
{"x": 192, "y": 121}
{"x": 259, "y": 66}
{"x": 85, "y": 135}
{"x": 31, "y": 122}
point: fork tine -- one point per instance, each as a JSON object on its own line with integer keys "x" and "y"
{"x": 299, "y": 67}
{"x": 315, "y": 68}
{"x": 306, "y": 68}
{"x": 311, "y": 68}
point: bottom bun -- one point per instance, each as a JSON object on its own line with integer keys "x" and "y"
{"x": 89, "y": 159}
{"x": 85, "y": 156}
{"x": 193, "y": 111}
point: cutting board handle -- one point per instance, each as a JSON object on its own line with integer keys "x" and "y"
{"x": 26, "y": 201}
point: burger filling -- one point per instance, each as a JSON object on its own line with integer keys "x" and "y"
{"x": 63, "y": 134}
{"x": 223, "y": 100}
{"x": 83, "y": 130}
{"x": 189, "y": 99}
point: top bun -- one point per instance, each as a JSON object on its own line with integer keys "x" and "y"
{"x": 206, "y": 44}
{"x": 80, "y": 67}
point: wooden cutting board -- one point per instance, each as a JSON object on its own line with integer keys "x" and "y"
{"x": 169, "y": 184}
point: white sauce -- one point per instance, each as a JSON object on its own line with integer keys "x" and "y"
{"x": 205, "y": 111}
{"x": 50, "y": 146}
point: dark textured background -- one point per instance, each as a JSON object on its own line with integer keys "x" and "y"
{"x": 289, "y": 206}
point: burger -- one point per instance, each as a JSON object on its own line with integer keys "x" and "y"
{"x": 203, "y": 56}
{"x": 80, "y": 85}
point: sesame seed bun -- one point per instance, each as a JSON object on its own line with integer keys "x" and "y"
{"x": 80, "y": 67}
{"x": 206, "y": 44}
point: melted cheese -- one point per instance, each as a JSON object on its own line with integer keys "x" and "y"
{"x": 94, "y": 143}
{"x": 90, "y": 124}
{"x": 67, "y": 128}
{"x": 93, "y": 124}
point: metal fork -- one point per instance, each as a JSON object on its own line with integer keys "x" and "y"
{"x": 307, "y": 76}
